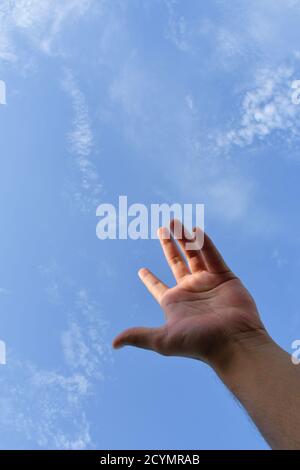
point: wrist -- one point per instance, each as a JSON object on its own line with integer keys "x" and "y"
{"x": 241, "y": 354}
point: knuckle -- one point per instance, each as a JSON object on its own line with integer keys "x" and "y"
{"x": 175, "y": 259}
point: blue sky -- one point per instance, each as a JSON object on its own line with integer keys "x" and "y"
{"x": 162, "y": 101}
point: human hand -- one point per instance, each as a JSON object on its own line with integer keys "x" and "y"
{"x": 207, "y": 312}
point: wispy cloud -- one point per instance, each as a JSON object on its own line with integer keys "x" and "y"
{"x": 40, "y": 21}
{"x": 178, "y": 30}
{"x": 45, "y": 407}
{"x": 253, "y": 31}
{"x": 41, "y": 25}
{"x": 83, "y": 345}
{"x": 266, "y": 109}
{"x": 81, "y": 139}
{"x": 48, "y": 407}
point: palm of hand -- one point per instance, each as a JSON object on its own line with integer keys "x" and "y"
{"x": 208, "y": 306}
{"x": 203, "y": 311}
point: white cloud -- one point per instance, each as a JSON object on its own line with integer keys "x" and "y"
{"x": 40, "y": 21}
{"x": 254, "y": 31}
{"x": 81, "y": 144}
{"x": 45, "y": 407}
{"x": 178, "y": 30}
{"x": 48, "y": 407}
{"x": 83, "y": 344}
{"x": 81, "y": 137}
{"x": 266, "y": 109}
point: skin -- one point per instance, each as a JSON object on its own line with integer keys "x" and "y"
{"x": 210, "y": 316}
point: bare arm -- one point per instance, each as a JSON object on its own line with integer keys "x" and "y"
{"x": 212, "y": 317}
{"x": 264, "y": 379}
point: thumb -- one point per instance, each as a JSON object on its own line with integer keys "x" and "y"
{"x": 146, "y": 338}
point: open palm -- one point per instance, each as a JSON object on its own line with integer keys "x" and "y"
{"x": 207, "y": 309}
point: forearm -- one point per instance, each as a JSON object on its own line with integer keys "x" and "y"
{"x": 266, "y": 382}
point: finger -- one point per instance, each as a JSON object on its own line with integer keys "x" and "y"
{"x": 212, "y": 257}
{"x": 172, "y": 254}
{"x": 145, "y": 338}
{"x": 194, "y": 257}
{"x": 154, "y": 285}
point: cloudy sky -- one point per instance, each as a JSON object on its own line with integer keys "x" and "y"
{"x": 162, "y": 101}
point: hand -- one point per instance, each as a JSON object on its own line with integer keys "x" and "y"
{"x": 208, "y": 310}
